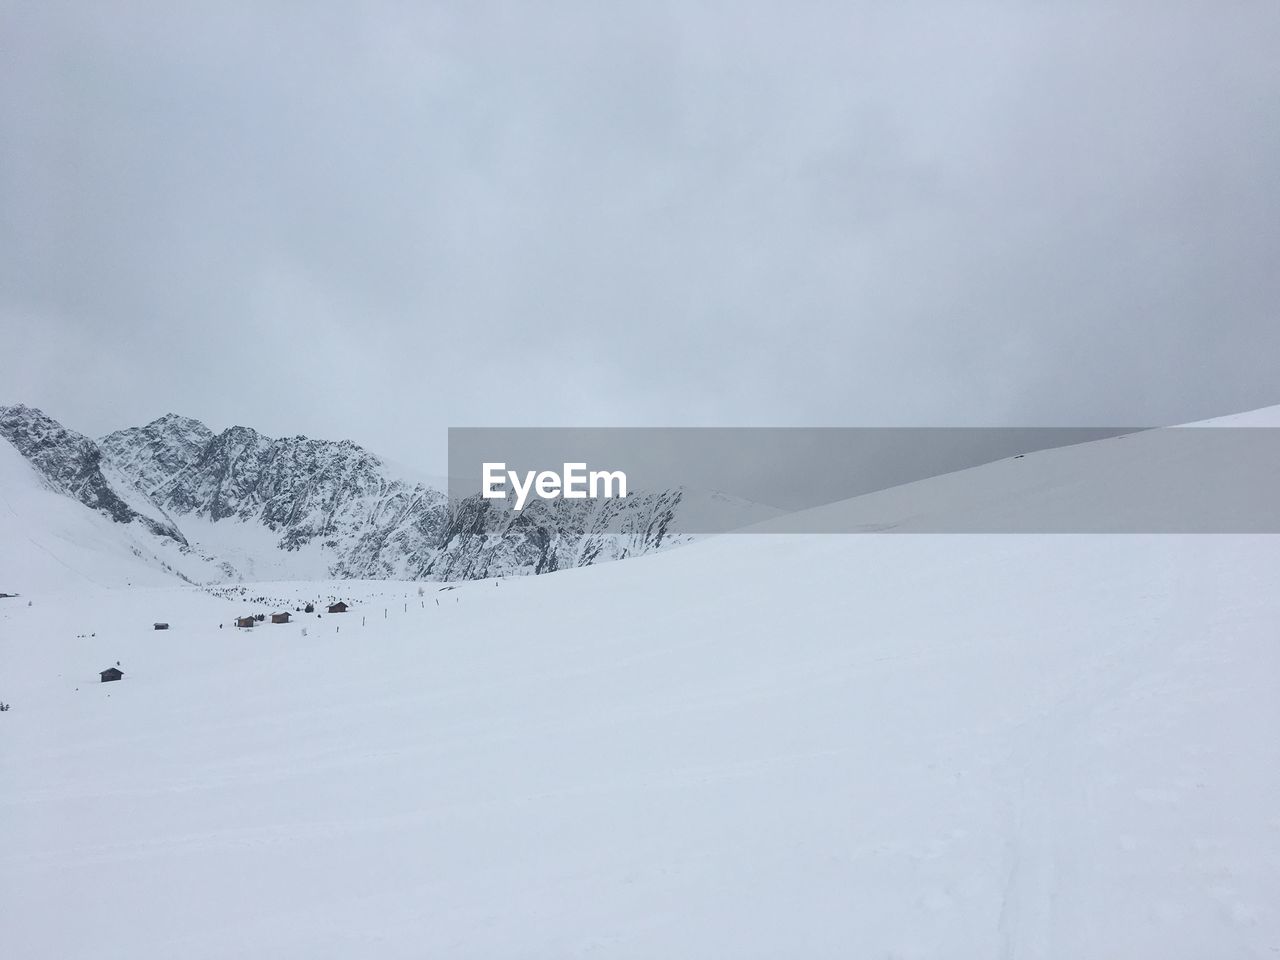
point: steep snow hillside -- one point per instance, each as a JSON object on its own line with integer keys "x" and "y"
{"x": 71, "y": 464}
{"x": 928, "y": 746}
{"x": 1219, "y": 477}
{"x": 52, "y": 541}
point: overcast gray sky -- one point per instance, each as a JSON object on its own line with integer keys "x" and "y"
{"x": 377, "y": 221}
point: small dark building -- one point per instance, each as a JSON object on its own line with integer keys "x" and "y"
{"x": 162, "y": 626}
{"x": 111, "y": 673}
{"x": 338, "y": 607}
{"x": 245, "y": 622}
{"x": 280, "y": 618}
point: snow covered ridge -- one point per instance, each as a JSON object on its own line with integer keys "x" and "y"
{"x": 72, "y": 464}
{"x": 241, "y": 505}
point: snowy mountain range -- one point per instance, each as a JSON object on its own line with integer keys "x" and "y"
{"x": 239, "y": 505}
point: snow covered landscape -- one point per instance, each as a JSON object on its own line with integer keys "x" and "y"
{"x": 639, "y": 481}
{"x": 763, "y": 745}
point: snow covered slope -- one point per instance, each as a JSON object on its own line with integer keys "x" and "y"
{"x": 757, "y": 746}
{"x": 49, "y": 541}
{"x": 71, "y": 464}
{"x": 1211, "y": 477}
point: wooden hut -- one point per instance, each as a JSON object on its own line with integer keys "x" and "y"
{"x": 162, "y": 626}
{"x": 338, "y": 607}
{"x": 245, "y": 621}
{"x": 111, "y": 673}
{"x": 280, "y": 618}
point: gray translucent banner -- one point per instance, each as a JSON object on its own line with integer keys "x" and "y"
{"x": 690, "y": 481}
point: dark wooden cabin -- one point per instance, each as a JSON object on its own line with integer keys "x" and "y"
{"x": 245, "y": 621}
{"x": 162, "y": 626}
{"x": 111, "y": 673}
{"x": 338, "y": 607}
{"x": 280, "y": 618}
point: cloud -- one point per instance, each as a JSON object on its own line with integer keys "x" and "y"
{"x": 383, "y": 222}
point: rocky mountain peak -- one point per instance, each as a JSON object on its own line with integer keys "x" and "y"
{"x": 250, "y": 506}
{"x": 177, "y": 426}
